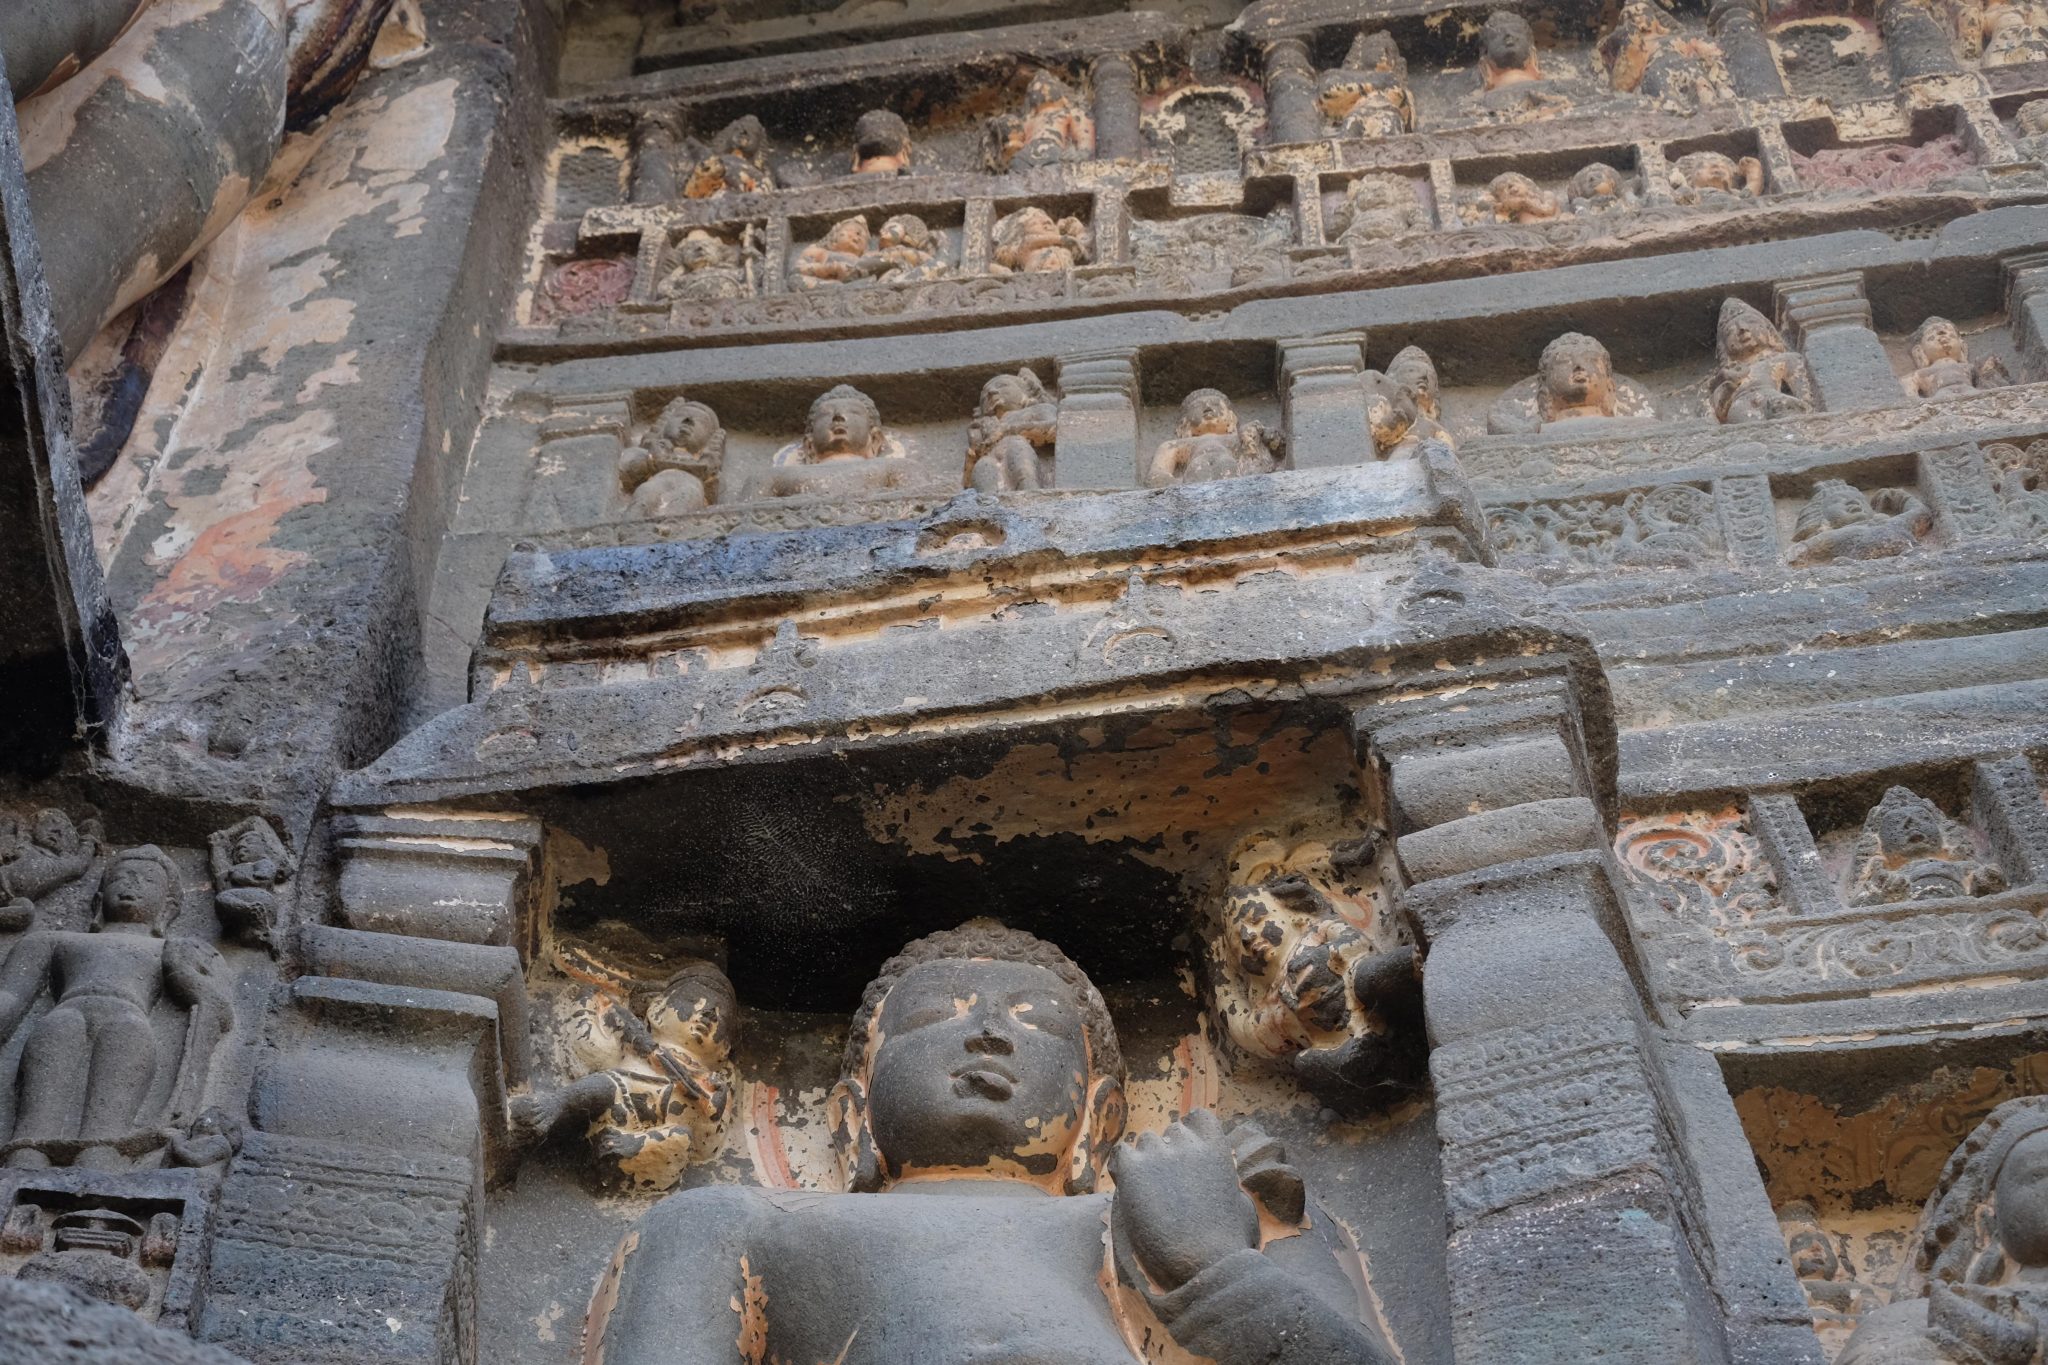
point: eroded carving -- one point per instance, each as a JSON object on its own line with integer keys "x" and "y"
{"x": 675, "y": 466}
{"x": 1841, "y": 521}
{"x": 844, "y": 450}
{"x": 1646, "y": 55}
{"x": 1886, "y": 168}
{"x": 250, "y": 863}
{"x": 1675, "y": 526}
{"x": 1401, "y": 408}
{"x": 1941, "y": 364}
{"x": 91, "y": 1064}
{"x": 1377, "y": 208}
{"x": 1512, "y": 197}
{"x": 1514, "y": 87}
{"x": 1710, "y": 180}
{"x": 1574, "y": 382}
{"x": 657, "y": 1080}
{"x": 709, "y": 266}
{"x": 1210, "y": 442}
{"x": 1700, "y": 867}
{"x": 1030, "y": 239}
{"x": 1910, "y": 850}
{"x": 1368, "y": 95}
{"x": 983, "y": 1070}
{"x": 39, "y": 856}
{"x": 2019, "y": 475}
{"x": 1052, "y": 128}
{"x": 1760, "y": 377}
{"x": 1010, "y": 440}
{"x": 735, "y": 163}
{"x": 881, "y": 144}
{"x": 905, "y": 251}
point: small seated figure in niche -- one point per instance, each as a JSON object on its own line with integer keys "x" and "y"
{"x": 1368, "y": 95}
{"x": 675, "y": 467}
{"x": 2015, "y": 32}
{"x": 1832, "y": 1291}
{"x": 1645, "y": 55}
{"x": 657, "y": 1082}
{"x": 1760, "y": 377}
{"x": 1974, "y": 1293}
{"x": 1512, "y": 197}
{"x": 1377, "y": 208}
{"x": 1941, "y": 364}
{"x": 1709, "y": 180}
{"x": 708, "y": 268}
{"x": 250, "y": 863}
{"x": 845, "y": 450}
{"x": 1401, "y": 408}
{"x": 909, "y": 251}
{"x": 976, "y": 1120}
{"x": 881, "y": 144}
{"x": 1009, "y": 442}
{"x": 1210, "y": 443}
{"x": 1575, "y": 381}
{"x": 1910, "y": 850}
{"x": 736, "y": 164}
{"x": 38, "y": 857}
{"x": 1053, "y": 128}
{"x": 1842, "y": 522}
{"x": 1030, "y": 239}
{"x": 90, "y": 1062}
{"x": 2031, "y": 130}
{"x": 1599, "y": 188}
{"x": 843, "y": 255}
{"x": 1296, "y": 983}
{"x": 1514, "y": 88}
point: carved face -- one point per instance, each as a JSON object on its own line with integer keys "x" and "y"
{"x": 1577, "y": 373}
{"x": 1841, "y": 504}
{"x": 1507, "y": 41}
{"x": 134, "y": 891}
{"x": 1597, "y": 181}
{"x": 841, "y": 425}
{"x": 906, "y": 230}
{"x": 978, "y": 1063}
{"x": 744, "y": 137}
{"x": 2022, "y": 1201}
{"x": 1711, "y": 171}
{"x": 1938, "y": 339}
{"x": 1517, "y": 196}
{"x": 702, "y": 251}
{"x": 1205, "y": 412}
{"x": 1004, "y": 394}
{"x": 695, "y": 1018}
{"x": 1415, "y": 373}
{"x": 1909, "y": 827}
{"x": 688, "y": 426}
{"x": 1744, "y": 334}
{"x": 54, "y": 831}
{"x": 1294, "y": 953}
{"x": 849, "y": 235}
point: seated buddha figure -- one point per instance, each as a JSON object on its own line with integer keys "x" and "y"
{"x": 1368, "y": 95}
{"x": 1210, "y": 443}
{"x": 1376, "y": 208}
{"x": 1710, "y": 180}
{"x": 675, "y": 467}
{"x": 1976, "y": 1289}
{"x": 1009, "y": 442}
{"x": 976, "y": 1119}
{"x": 1840, "y": 521}
{"x": 1760, "y": 377}
{"x": 1941, "y": 364}
{"x": 1053, "y": 127}
{"x": 844, "y": 450}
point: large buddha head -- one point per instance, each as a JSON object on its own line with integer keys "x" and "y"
{"x": 140, "y": 886}
{"x": 844, "y": 424}
{"x": 979, "y": 1053}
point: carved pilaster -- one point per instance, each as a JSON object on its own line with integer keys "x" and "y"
{"x": 446, "y": 876}
{"x": 656, "y": 136}
{"x": 2009, "y": 806}
{"x": 1957, "y": 485}
{"x": 1654, "y": 172}
{"x": 1291, "y": 113}
{"x": 1096, "y": 441}
{"x": 1752, "y": 67}
{"x": 1780, "y": 175}
{"x": 1781, "y": 829}
{"x": 1749, "y": 519}
{"x": 1323, "y": 402}
{"x": 1915, "y": 40}
{"x": 1828, "y": 318}
{"x": 975, "y": 244}
{"x": 1119, "y": 130}
{"x": 2026, "y": 303}
{"x": 573, "y": 480}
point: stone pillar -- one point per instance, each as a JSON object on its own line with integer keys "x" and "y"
{"x": 656, "y": 137}
{"x": 2007, "y": 797}
{"x": 1291, "y": 113}
{"x": 1829, "y": 319}
{"x": 1322, "y": 401}
{"x": 1576, "y": 1211}
{"x": 1781, "y": 830}
{"x": 454, "y": 876}
{"x": 1096, "y": 442}
{"x": 1119, "y": 131}
{"x": 1914, "y": 37}
{"x": 2026, "y": 302}
{"x": 1739, "y": 28}
{"x": 1956, "y": 481}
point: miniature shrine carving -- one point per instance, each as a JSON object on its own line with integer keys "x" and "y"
{"x": 675, "y": 467}
{"x": 977, "y": 1111}
{"x": 1760, "y": 377}
{"x": 1210, "y": 442}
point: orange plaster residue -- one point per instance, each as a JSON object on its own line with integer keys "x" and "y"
{"x": 764, "y": 1137}
{"x": 751, "y": 1303}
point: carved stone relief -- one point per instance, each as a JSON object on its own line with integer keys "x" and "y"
{"x": 1210, "y": 442}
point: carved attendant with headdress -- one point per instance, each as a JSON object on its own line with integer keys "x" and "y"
{"x": 1976, "y": 1292}
{"x": 1211, "y": 443}
{"x": 1910, "y": 851}
{"x": 1841, "y": 521}
{"x": 736, "y": 164}
{"x": 675, "y": 467}
{"x": 1015, "y": 421}
{"x": 1368, "y": 95}
{"x": 1942, "y": 369}
{"x": 844, "y": 450}
{"x": 1760, "y": 376}
{"x": 1053, "y": 127}
{"x": 1645, "y": 55}
{"x": 981, "y": 1095}
{"x": 1513, "y": 86}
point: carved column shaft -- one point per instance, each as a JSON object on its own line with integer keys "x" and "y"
{"x": 1323, "y": 402}
{"x": 1291, "y": 113}
{"x": 2026, "y": 284}
{"x": 656, "y": 137}
{"x": 1119, "y": 132}
{"x": 1096, "y": 441}
{"x": 1916, "y": 41}
{"x": 1752, "y": 67}
{"x": 1829, "y": 319}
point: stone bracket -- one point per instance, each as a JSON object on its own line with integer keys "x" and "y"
{"x": 1323, "y": 402}
{"x": 1095, "y": 444}
{"x": 439, "y": 875}
{"x": 1829, "y": 319}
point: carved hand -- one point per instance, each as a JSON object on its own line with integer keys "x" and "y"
{"x": 1179, "y": 1201}
{"x": 192, "y": 968}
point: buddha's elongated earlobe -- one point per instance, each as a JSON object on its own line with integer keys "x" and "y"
{"x": 1102, "y": 1123}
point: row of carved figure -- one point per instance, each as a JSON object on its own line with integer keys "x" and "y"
{"x": 1646, "y": 55}
{"x": 847, "y": 451}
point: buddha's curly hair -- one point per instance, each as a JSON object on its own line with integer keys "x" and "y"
{"x": 1000, "y": 944}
